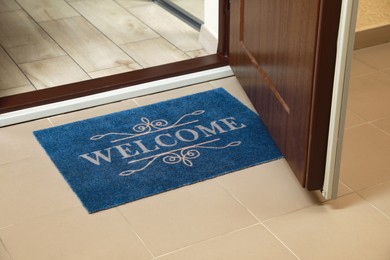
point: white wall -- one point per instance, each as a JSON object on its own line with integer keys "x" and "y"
{"x": 209, "y": 32}
{"x": 211, "y": 16}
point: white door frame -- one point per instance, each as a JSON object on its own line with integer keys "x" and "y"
{"x": 346, "y": 38}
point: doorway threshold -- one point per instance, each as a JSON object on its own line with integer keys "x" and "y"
{"x": 124, "y": 93}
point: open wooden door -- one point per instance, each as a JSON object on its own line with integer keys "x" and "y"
{"x": 283, "y": 53}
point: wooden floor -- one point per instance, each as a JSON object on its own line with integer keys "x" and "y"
{"x": 46, "y": 43}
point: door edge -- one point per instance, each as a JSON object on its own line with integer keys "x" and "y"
{"x": 339, "y": 98}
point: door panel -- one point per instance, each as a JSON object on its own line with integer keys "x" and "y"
{"x": 284, "y": 56}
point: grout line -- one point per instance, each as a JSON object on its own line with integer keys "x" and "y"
{"x": 238, "y": 201}
{"x": 8, "y": 226}
{"x": 101, "y": 32}
{"x": 366, "y": 121}
{"x": 357, "y": 58}
{"x": 2, "y": 244}
{"x": 38, "y": 24}
{"x": 44, "y": 59}
{"x": 280, "y": 241}
{"x": 372, "y": 205}
{"x": 373, "y": 186}
{"x": 18, "y": 66}
{"x": 61, "y": 47}
{"x": 380, "y": 129}
{"x": 260, "y": 222}
{"x": 140, "y": 41}
{"x": 376, "y": 185}
{"x": 143, "y": 23}
{"x": 44, "y": 215}
{"x": 357, "y": 125}
{"x": 130, "y": 101}
{"x": 209, "y": 239}
{"x": 140, "y": 59}
{"x": 362, "y": 75}
{"x": 379, "y": 119}
{"x": 136, "y": 102}
{"x": 320, "y": 203}
{"x": 135, "y": 232}
{"x": 15, "y": 161}
{"x": 162, "y": 36}
{"x": 51, "y": 122}
{"x": 120, "y": 66}
{"x": 13, "y": 88}
{"x": 132, "y": 14}
{"x": 345, "y": 186}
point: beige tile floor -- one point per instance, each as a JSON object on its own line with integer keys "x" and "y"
{"x": 46, "y": 43}
{"x": 257, "y": 213}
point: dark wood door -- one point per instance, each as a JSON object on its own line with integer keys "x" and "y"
{"x": 283, "y": 52}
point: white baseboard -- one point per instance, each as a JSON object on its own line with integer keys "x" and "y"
{"x": 208, "y": 40}
{"x": 113, "y": 96}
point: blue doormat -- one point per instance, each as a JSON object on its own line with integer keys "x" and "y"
{"x": 125, "y": 156}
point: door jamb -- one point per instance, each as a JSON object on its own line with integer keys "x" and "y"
{"x": 339, "y": 98}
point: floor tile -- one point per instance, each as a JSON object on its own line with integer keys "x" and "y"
{"x": 166, "y": 95}
{"x": 250, "y": 244}
{"x": 195, "y": 8}
{"x": 8, "y": 5}
{"x": 86, "y": 45}
{"x": 25, "y": 41}
{"x": 168, "y": 26}
{"x": 387, "y": 71}
{"x": 92, "y": 112}
{"x": 10, "y": 74}
{"x": 114, "y": 21}
{"x": 352, "y": 119}
{"x": 369, "y": 96}
{"x": 73, "y": 234}
{"x": 268, "y": 190}
{"x": 53, "y": 72}
{"x": 134, "y": 3}
{"x": 383, "y": 124}
{"x": 379, "y": 196}
{"x": 376, "y": 56}
{"x": 114, "y": 70}
{"x": 17, "y": 90}
{"x": 32, "y": 188}
{"x": 18, "y": 141}
{"x": 43, "y": 10}
{"x": 185, "y": 216}
{"x": 342, "y": 190}
{"x": 4, "y": 255}
{"x": 359, "y": 68}
{"x": 346, "y": 228}
{"x": 154, "y": 52}
{"x": 365, "y": 157}
{"x": 197, "y": 53}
